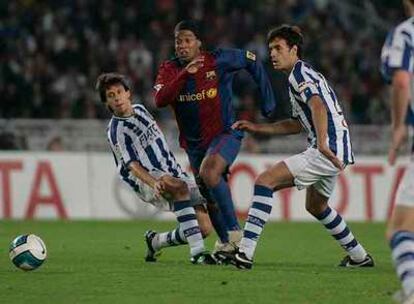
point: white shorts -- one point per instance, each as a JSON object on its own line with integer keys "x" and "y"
{"x": 147, "y": 194}
{"x": 312, "y": 168}
{"x": 405, "y": 193}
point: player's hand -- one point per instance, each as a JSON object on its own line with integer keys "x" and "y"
{"x": 398, "y": 136}
{"x": 245, "y": 125}
{"x": 159, "y": 188}
{"x": 331, "y": 156}
{"x": 167, "y": 188}
{"x": 195, "y": 65}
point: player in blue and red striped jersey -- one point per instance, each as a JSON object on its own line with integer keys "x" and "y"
{"x": 198, "y": 86}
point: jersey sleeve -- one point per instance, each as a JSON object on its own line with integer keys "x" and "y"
{"x": 233, "y": 60}
{"x": 400, "y": 51}
{"x": 168, "y": 84}
{"x": 303, "y": 84}
{"x": 396, "y": 53}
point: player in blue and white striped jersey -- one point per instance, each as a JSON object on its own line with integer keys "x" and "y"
{"x": 397, "y": 67}
{"x": 146, "y": 164}
{"x": 316, "y": 110}
{"x": 305, "y": 83}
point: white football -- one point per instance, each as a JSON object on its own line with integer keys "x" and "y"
{"x": 27, "y": 252}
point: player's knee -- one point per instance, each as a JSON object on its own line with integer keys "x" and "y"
{"x": 210, "y": 178}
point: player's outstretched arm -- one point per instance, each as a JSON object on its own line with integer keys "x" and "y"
{"x": 233, "y": 60}
{"x": 268, "y": 101}
{"x": 284, "y": 127}
{"x": 320, "y": 121}
{"x": 399, "y": 106}
{"x": 139, "y": 172}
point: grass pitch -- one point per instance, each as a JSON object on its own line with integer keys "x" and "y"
{"x": 102, "y": 262}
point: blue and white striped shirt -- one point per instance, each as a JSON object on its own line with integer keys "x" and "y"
{"x": 138, "y": 138}
{"x": 397, "y": 54}
{"x": 305, "y": 82}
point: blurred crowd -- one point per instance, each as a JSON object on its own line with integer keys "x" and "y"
{"x": 52, "y": 51}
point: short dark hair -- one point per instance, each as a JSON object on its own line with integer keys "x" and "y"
{"x": 106, "y": 80}
{"x": 189, "y": 25}
{"x": 292, "y": 35}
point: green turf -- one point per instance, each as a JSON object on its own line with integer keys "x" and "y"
{"x": 102, "y": 262}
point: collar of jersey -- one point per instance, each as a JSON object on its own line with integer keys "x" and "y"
{"x": 124, "y": 118}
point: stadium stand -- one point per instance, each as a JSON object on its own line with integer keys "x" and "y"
{"x": 54, "y": 51}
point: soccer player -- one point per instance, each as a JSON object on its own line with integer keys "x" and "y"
{"x": 198, "y": 86}
{"x": 397, "y": 67}
{"x": 315, "y": 109}
{"x": 146, "y": 164}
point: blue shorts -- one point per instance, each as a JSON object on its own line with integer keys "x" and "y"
{"x": 226, "y": 144}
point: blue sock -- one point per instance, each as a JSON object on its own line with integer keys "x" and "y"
{"x": 222, "y": 196}
{"x": 217, "y": 221}
{"x": 402, "y": 246}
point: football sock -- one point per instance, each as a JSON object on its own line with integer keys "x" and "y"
{"x": 402, "y": 246}
{"x": 259, "y": 213}
{"x": 167, "y": 239}
{"x": 178, "y": 236}
{"x": 222, "y": 195}
{"x": 188, "y": 223}
{"x": 337, "y": 227}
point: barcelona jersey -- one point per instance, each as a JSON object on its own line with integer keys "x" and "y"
{"x": 202, "y": 102}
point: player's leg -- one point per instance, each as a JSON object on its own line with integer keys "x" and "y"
{"x": 317, "y": 205}
{"x": 214, "y": 169}
{"x": 203, "y": 220}
{"x": 176, "y": 237}
{"x": 195, "y": 158}
{"x": 400, "y": 233}
{"x": 220, "y": 155}
{"x": 276, "y": 178}
{"x": 189, "y": 228}
{"x": 214, "y": 212}
{"x": 221, "y": 195}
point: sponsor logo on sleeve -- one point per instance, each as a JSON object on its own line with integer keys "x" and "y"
{"x": 250, "y": 55}
{"x": 158, "y": 87}
{"x": 211, "y": 75}
{"x": 305, "y": 85}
